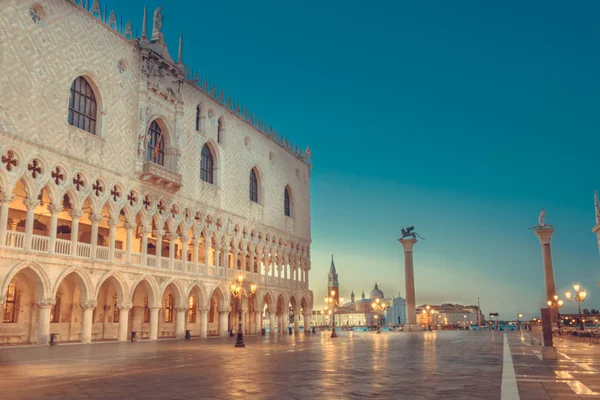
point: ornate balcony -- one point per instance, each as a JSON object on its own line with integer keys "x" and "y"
{"x": 160, "y": 176}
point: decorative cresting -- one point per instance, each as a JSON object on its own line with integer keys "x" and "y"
{"x": 281, "y": 257}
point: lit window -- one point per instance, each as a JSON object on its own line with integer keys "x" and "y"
{"x": 115, "y": 309}
{"x": 156, "y": 144}
{"x": 192, "y": 309}
{"x": 55, "y": 311}
{"x": 11, "y": 307}
{"x": 169, "y": 309}
{"x": 82, "y": 106}
{"x": 146, "y": 310}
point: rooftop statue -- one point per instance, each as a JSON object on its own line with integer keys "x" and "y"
{"x": 410, "y": 232}
{"x": 542, "y": 221}
{"x": 157, "y": 25}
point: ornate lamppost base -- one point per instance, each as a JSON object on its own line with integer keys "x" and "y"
{"x": 333, "y": 334}
{"x": 378, "y": 330}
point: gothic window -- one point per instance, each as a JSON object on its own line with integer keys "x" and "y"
{"x": 169, "y": 309}
{"x": 55, "y": 311}
{"x": 198, "y": 118}
{"x": 146, "y": 310}
{"x": 253, "y": 186}
{"x": 206, "y": 167}
{"x": 11, "y": 307}
{"x": 115, "y": 308}
{"x": 192, "y": 309}
{"x": 286, "y": 202}
{"x": 219, "y": 130}
{"x": 82, "y": 106}
{"x": 156, "y": 144}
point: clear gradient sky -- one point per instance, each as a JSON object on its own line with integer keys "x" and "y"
{"x": 461, "y": 118}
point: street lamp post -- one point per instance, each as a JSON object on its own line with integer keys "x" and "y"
{"x": 519, "y": 316}
{"x": 238, "y": 292}
{"x": 378, "y": 306}
{"x": 332, "y": 303}
{"x": 556, "y": 303}
{"x": 579, "y": 297}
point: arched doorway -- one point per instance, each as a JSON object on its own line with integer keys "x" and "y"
{"x": 72, "y": 315}
{"x": 144, "y": 305}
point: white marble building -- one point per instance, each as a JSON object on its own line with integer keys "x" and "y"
{"x": 133, "y": 193}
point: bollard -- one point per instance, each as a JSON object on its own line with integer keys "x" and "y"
{"x": 289, "y": 331}
{"x": 263, "y": 331}
{"x": 134, "y": 336}
{"x": 314, "y": 330}
{"x": 53, "y": 339}
{"x": 188, "y": 335}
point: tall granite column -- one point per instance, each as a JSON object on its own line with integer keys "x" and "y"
{"x": 545, "y": 236}
{"x": 409, "y": 282}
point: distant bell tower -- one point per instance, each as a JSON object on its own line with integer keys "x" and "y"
{"x": 332, "y": 282}
{"x": 352, "y": 297}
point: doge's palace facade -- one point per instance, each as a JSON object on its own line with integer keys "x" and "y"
{"x": 133, "y": 192}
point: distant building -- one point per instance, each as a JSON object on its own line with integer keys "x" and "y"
{"x": 359, "y": 312}
{"x": 449, "y": 314}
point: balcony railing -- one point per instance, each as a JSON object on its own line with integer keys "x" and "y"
{"x": 84, "y": 250}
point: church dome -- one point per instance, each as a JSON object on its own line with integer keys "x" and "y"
{"x": 376, "y": 293}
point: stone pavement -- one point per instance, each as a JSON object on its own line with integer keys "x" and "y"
{"x": 356, "y": 365}
{"x": 575, "y": 375}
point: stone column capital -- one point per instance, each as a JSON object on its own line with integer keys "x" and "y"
{"x": 158, "y": 232}
{"x": 224, "y": 309}
{"x": 407, "y": 244}
{"x": 185, "y": 239}
{"x": 181, "y": 308}
{"x": 154, "y": 308}
{"x": 6, "y": 197}
{"x": 125, "y": 306}
{"x": 204, "y": 308}
{"x": 173, "y": 236}
{"x": 54, "y": 209}
{"x": 96, "y": 217}
{"x": 130, "y": 226}
{"x": 45, "y": 303}
{"x": 88, "y": 304}
{"x": 113, "y": 223}
{"x": 545, "y": 235}
{"x": 29, "y": 202}
{"x": 75, "y": 214}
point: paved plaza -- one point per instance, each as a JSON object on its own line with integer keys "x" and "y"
{"x": 356, "y": 365}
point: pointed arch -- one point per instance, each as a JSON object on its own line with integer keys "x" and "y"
{"x": 153, "y": 292}
{"x": 179, "y": 291}
{"x": 120, "y": 284}
{"x": 222, "y": 295}
{"x": 35, "y": 272}
{"x": 83, "y": 105}
{"x": 81, "y": 278}
{"x": 204, "y": 299}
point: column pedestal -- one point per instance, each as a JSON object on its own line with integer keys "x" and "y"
{"x": 44, "y": 322}
{"x": 86, "y": 323}
{"x": 223, "y": 322}
{"x": 409, "y": 281}
{"x": 154, "y": 323}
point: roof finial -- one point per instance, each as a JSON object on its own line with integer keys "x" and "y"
{"x": 180, "y": 52}
{"x": 332, "y": 267}
{"x": 145, "y": 22}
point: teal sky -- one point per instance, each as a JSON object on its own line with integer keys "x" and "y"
{"x": 460, "y": 118}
